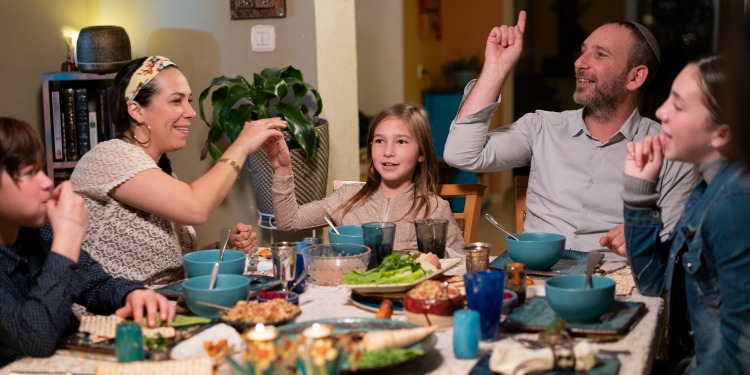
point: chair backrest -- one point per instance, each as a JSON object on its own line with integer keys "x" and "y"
{"x": 522, "y": 183}
{"x": 468, "y": 220}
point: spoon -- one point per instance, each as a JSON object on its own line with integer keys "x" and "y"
{"x": 214, "y": 276}
{"x": 593, "y": 260}
{"x": 301, "y": 278}
{"x": 330, "y": 223}
{"x": 224, "y": 239}
{"x": 496, "y": 224}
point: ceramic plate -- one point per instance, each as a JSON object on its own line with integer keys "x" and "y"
{"x": 372, "y": 303}
{"x": 445, "y": 264}
{"x": 346, "y": 325}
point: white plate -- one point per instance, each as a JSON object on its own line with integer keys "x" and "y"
{"x": 445, "y": 264}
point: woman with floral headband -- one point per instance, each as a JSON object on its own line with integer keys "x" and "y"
{"x": 141, "y": 215}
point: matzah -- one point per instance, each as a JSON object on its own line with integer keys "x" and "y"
{"x": 102, "y": 328}
{"x": 624, "y": 283}
{"x": 99, "y": 327}
{"x": 193, "y": 366}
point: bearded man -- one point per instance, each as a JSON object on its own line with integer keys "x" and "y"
{"x": 576, "y": 158}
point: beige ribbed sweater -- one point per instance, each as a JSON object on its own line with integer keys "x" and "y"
{"x": 290, "y": 216}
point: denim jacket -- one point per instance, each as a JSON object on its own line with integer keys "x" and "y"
{"x": 711, "y": 241}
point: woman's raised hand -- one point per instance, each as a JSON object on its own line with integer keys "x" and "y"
{"x": 256, "y": 133}
{"x": 643, "y": 159}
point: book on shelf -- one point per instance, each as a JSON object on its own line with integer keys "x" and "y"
{"x": 82, "y": 120}
{"x": 57, "y": 134}
{"x": 93, "y": 129}
{"x": 69, "y": 123}
{"x": 104, "y": 120}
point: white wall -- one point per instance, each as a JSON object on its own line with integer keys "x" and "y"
{"x": 380, "y": 54}
{"x": 200, "y": 37}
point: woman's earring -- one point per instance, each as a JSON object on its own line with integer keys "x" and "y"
{"x": 147, "y": 140}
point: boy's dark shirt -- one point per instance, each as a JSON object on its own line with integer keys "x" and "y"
{"x": 38, "y": 289}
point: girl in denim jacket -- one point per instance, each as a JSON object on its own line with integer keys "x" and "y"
{"x": 708, "y": 253}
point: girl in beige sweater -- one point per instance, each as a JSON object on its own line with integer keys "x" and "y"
{"x": 401, "y": 186}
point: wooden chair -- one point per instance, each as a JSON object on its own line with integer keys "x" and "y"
{"x": 468, "y": 220}
{"x": 522, "y": 183}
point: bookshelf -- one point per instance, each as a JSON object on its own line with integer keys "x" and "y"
{"x": 76, "y": 117}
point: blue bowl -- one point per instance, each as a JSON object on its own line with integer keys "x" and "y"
{"x": 201, "y": 262}
{"x": 538, "y": 251}
{"x": 348, "y": 234}
{"x": 229, "y": 289}
{"x": 567, "y": 297}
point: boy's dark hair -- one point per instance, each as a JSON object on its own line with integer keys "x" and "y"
{"x": 20, "y": 147}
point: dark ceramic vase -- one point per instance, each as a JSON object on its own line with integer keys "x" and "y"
{"x": 102, "y": 49}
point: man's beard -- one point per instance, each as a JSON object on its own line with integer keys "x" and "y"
{"x": 604, "y": 100}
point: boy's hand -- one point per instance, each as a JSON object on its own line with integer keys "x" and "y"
{"x": 69, "y": 219}
{"x": 146, "y": 299}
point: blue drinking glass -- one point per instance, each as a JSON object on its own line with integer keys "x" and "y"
{"x": 379, "y": 238}
{"x": 484, "y": 293}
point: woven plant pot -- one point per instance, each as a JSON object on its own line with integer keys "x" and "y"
{"x": 311, "y": 177}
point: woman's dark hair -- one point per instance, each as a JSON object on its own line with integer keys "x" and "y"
{"x": 120, "y": 115}
{"x": 20, "y": 147}
{"x": 425, "y": 175}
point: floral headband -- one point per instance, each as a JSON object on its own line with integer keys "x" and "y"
{"x": 144, "y": 74}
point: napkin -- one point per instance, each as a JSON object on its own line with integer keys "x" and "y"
{"x": 511, "y": 357}
{"x": 194, "y": 366}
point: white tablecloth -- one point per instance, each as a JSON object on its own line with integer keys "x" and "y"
{"x": 320, "y": 302}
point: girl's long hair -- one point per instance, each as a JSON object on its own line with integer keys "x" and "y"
{"x": 425, "y": 175}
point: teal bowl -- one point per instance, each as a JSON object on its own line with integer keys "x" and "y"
{"x": 201, "y": 262}
{"x": 229, "y": 289}
{"x": 567, "y": 297}
{"x": 348, "y": 234}
{"x": 538, "y": 251}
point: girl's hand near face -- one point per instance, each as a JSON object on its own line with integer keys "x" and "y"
{"x": 278, "y": 155}
{"x": 643, "y": 160}
{"x": 69, "y": 219}
{"x": 257, "y": 133}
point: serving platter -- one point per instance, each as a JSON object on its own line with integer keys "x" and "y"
{"x": 372, "y": 302}
{"x": 347, "y": 325}
{"x": 445, "y": 265}
{"x": 571, "y": 262}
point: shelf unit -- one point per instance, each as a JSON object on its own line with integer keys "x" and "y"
{"x": 59, "y": 166}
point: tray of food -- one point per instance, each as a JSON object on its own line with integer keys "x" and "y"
{"x": 398, "y": 272}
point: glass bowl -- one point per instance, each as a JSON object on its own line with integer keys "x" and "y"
{"x": 327, "y": 264}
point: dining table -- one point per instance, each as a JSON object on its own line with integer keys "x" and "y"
{"x": 638, "y": 345}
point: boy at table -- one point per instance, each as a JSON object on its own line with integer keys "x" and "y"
{"x": 41, "y": 276}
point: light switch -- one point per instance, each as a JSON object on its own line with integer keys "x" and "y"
{"x": 263, "y": 38}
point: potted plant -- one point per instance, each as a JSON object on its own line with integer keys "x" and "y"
{"x": 273, "y": 92}
{"x": 462, "y": 70}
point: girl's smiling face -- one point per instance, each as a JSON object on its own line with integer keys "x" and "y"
{"x": 687, "y": 133}
{"x": 395, "y": 153}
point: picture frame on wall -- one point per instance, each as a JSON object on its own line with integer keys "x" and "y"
{"x": 253, "y": 9}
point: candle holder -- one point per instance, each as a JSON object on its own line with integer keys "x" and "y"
{"x": 320, "y": 352}
{"x": 265, "y": 352}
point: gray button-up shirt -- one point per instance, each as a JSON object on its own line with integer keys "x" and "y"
{"x": 575, "y": 180}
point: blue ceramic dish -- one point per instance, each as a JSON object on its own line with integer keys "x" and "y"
{"x": 229, "y": 289}
{"x": 510, "y": 301}
{"x": 538, "y": 251}
{"x": 568, "y": 298}
{"x": 348, "y": 234}
{"x": 202, "y": 262}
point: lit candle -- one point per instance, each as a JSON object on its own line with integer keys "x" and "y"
{"x": 317, "y": 331}
{"x": 263, "y": 333}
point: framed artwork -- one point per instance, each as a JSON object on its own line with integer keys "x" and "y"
{"x": 251, "y": 9}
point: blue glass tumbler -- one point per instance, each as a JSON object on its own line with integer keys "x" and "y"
{"x": 299, "y": 268}
{"x": 466, "y": 333}
{"x": 129, "y": 342}
{"x": 378, "y": 237}
{"x": 484, "y": 293}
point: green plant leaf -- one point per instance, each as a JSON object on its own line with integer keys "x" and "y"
{"x": 303, "y": 130}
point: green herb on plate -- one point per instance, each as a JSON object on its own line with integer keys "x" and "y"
{"x": 396, "y": 268}
{"x": 385, "y": 357}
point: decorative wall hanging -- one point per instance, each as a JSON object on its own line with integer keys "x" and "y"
{"x": 250, "y": 9}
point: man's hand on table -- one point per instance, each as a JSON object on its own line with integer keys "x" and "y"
{"x": 153, "y": 303}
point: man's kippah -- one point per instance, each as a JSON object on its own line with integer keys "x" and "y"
{"x": 650, "y": 39}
